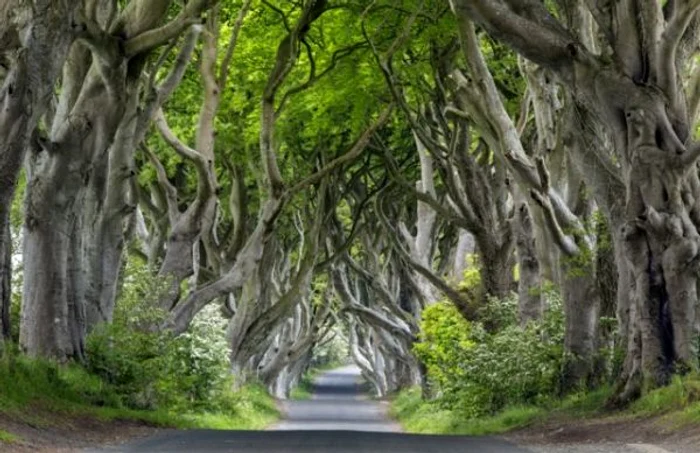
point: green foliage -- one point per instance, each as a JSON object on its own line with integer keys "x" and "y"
{"x": 330, "y": 353}
{"x": 130, "y": 354}
{"x": 472, "y": 276}
{"x": 136, "y": 372}
{"x": 34, "y": 391}
{"x": 418, "y": 416}
{"x": 480, "y": 373}
{"x": 680, "y": 394}
{"x": 8, "y": 438}
{"x": 445, "y": 342}
{"x": 151, "y": 368}
{"x": 23, "y": 380}
{"x": 674, "y": 406}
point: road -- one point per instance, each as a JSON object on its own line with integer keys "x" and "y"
{"x": 338, "y": 419}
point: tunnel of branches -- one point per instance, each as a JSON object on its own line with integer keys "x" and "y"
{"x": 319, "y": 169}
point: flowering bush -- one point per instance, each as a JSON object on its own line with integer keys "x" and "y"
{"x": 151, "y": 368}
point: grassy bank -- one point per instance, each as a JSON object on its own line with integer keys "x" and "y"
{"x": 38, "y": 394}
{"x": 675, "y": 406}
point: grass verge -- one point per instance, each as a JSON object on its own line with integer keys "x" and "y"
{"x": 44, "y": 395}
{"x": 676, "y": 406}
{"x": 7, "y": 438}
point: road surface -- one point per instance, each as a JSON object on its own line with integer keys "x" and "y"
{"x": 338, "y": 419}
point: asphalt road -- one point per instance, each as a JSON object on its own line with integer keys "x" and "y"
{"x": 338, "y": 419}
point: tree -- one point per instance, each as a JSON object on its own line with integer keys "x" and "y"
{"x": 35, "y": 38}
{"x": 623, "y": 64}
{"x": 69, "y": 173}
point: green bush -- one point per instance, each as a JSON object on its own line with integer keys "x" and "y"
{"x": 477, "y": 372}
{"x": 34, "y": 391}
{"x": 153, "y": 369}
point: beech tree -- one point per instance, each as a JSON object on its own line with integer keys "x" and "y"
{"x": 69, "y": 172}
{"x": 35, "y": 38}
{"x": 623, "y": 64}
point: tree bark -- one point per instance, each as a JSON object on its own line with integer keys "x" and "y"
{"x": 639, "y": 102}
{"x": 70, "y": 171}
{"x": 496, "y": 269}
{"x": 43, "y": 42}
{"x": 5, "y": 285}
{"x": 581, "y": 314}
{"x": 530, "y": 284}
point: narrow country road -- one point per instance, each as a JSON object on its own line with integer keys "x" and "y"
{"x": 338, "y": 419}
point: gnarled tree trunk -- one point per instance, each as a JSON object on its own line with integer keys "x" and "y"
{"x": 39, "y": 45}
{"x": 67, "y": 173}
{"x": 640, "y": 103}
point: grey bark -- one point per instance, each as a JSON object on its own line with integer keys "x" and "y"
{"x": 5, "y": 285}
{"x": 37, "y": 41}
{"x": 650, "y": 131}
{"x": 530, "y": 302}
{"x": 61, "y": 179}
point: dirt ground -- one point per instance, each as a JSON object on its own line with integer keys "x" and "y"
{"x": 68, "y": 433}
{"x": 609, "y": 430}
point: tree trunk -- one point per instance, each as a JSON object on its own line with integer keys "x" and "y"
{"x": 530, "y": 284}
{"x": 661, "y": 245}
{"x": 607, "y": 279}
{"x": 5, "y": 284}
{"x": 93, "y": 101}
{"x": 46, "y": 328}
{"x": 496, "y": 268}
{"x": 109, "y": 199}
{"x": 54, "y": 284}
{"x": 238, "y": 325}
{"x": 44, "y": 42}
{"x": 581, "y": 312}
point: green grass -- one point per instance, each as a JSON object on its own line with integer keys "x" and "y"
{"x": 677, "y": 405}
{"x": 679, "y": 395}
{"x": 678, "y": 402}
{"x": 8, "y": 438}
{"x": 417, "y": 416}
{"x": 39, "y": 393}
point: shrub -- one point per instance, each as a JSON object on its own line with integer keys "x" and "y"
{"x": 153, "y": 369}
{"x": 478, "y": 372}
{"x": 444, "y": 346}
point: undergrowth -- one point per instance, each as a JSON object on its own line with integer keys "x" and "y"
{"x": 489, "y": 381}
{"x": 676, "y": 406}
{"x": 135, "y": 372}
{"x": 35, "y": 391}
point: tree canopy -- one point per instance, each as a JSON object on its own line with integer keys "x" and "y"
{"x": 417, "y": 177}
